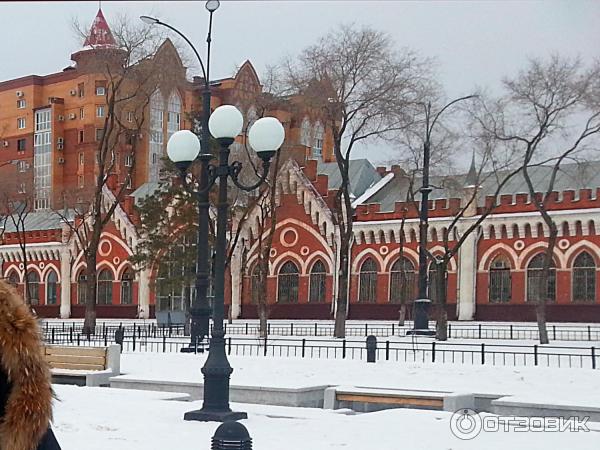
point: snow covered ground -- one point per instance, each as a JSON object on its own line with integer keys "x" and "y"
{"x": 101, "y": 418}
{"x": 566, "y": 386}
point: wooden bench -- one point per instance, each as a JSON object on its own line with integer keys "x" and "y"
{"x": 84, "y": 366}
{"x": 372, "y": 399}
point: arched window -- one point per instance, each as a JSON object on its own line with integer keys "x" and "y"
{"x": 13, "y": 279}
{"x": 305, "y": 132}
{"x": 402, "y": 281}
{"x": 535, "y": 291}
{"x": 105, "y": 282}
{"x": 33, "y": 288}
{"x": 173, "y": 114}
{"x": 127, "y": 287}
{"x": 317, "y": 148}
{"x": 318, "y": 275}
{"x": 255, "y": 285}
{"x": 584, "y": 278}
{"x": 500, "y": 282}
{"x": 82, "y": 288}
{"x": 287, "y": 283}
{"x": 155, "y": 147}
{"x": 368, "y": 282}
{"x": 51, "y": 288}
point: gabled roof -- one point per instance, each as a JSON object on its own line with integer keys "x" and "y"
{"x": 100, "y": 34}
{"x": 362, "y": 175}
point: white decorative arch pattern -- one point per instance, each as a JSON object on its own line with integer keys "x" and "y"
{"x": 361, "y": 256}
{"x": 533, "y": 249}
{"x": 492, "y": 251}
{"x": 47, "y": 269}
{"x": 312, "y": 259}
{"x": 392, "y": 256}
{"x": 578, "y": 247}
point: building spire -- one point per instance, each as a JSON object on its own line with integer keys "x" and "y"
{"x": 100, "y": 35}
{"x": 471, "y": 180}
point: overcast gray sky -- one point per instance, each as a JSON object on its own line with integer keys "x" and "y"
{"x": 476, "y": 43}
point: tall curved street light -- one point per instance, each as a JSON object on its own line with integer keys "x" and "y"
{"x": 266, "y": 136}
{"x": 200, "y": 308}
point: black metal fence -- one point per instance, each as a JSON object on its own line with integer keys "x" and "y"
{"x": 406, "y": 351}
{"x": 320, "y": 329}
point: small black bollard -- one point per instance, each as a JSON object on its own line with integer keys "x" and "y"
{"x": 231, "y": 436}
{"x": 371, "y": 349}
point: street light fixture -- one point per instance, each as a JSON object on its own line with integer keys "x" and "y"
{"x": 265, "y": 137}
{"x": 200, "y": 307}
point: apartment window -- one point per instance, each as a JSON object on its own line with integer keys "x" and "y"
{"x": 129, "y": 183}
{"x": 21, "y": 103}
{"x": 99, "y": 133}
{"x": 21, "y": 188}
{"x": 100, "y": 90}
{"x": 81, "y": 159}
{"x": 99, "y": 111}
{"x": 154, "y": 158}
{"x": 21, "y": 144}
{"x": 128, "y": 160}
{"x": 81, "y": 113}
{"x": 80, "y": 181}
{"x": 81, "y": 90}
{"x": 42, "y": 158}
{"x": 81, "y": 136}
{"x": 130, "y": 116}
{"x": 21, "y": 166}
{"x": 21, "y": 123}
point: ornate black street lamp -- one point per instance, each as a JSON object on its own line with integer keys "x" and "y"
{"x": 200, "y": 307}
{"x": 265, "y": 137}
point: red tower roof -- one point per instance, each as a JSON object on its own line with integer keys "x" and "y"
{"x": 100, "y": 34}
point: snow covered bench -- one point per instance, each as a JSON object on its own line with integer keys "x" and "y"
{"x": 363, "y": 399}
{"x": 84, "y": 366}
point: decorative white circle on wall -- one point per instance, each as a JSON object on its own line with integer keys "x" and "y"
{"x": 104, "y": 248}
{"x": 21, "y": 266}
{"x": 563, "y": 244}
{"x": 116, "y": 260}
{"x": 384, "y": 250}
{"x": 288, "y": 237}
{"x": 519, "y": 245}
{"x": 272, "y": 253}
{"x": 304, "y": 250}
{"x": 42, "y": 265}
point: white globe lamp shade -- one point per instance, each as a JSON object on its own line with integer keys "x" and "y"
{"x": 266, "y": 136}
{"x": 226, "y": 122}
{"x": 183, "y": 147}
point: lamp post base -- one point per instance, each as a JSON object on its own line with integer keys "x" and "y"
{"x": 421, "y": 332}
{"x": 202, "y": 415}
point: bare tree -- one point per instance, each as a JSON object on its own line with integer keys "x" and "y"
{"x": 132, "y": 74}
{"x": 550, "y": 112}
{"x": 361, "y": 85}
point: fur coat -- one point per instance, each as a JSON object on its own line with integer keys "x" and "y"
{"x": 26, "y": 402}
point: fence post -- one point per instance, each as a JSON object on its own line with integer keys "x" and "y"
{"x": 344, "y": 349}
{"x": 78, "y": 339}
{"x": 303, "y": 346}
{"x": 479, "y": 331}
{"x": 387, "y": 350}
{"x": 63, "y": 326}
{"x": 71, "y": 335}
{"x": 229, "y": 347}
{"x": 433, "y": 351}
{"x": 265, "y": 353}
{"x": 511, "y": 333}
{"x": 246, "y": 328}
{"x": 268, "y": 330}
{"x": 535, "y": 354}
{"x": 366, "y": 329}
{"x": 52, "y": 336}
{"x": 482, "y": 351}
{"x": 554, "y": 332}
{"x": 315, "y": 328}
{"x": 164, "y": 343}
{"x": 133, "y": 339}
{"x": 105, "y": 340}
{"x": 292, "y": 328}
{"x": 589, "y": 333}
{"x": 393, "y": 332}
{"x": 449, "y": 330}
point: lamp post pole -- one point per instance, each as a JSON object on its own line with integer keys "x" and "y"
{"x": 200, "y": 307}
{"x": 265, "y": 137}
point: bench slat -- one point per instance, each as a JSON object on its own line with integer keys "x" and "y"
{"x": 71, "y": 366}
{"x": 95, "y": 360}
{"x": 417, "y": 401}
{"x": 75, "y": 351}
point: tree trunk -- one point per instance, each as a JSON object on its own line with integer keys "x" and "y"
{"x": 89, "y": 323}
{"x": 402, "y": 314}
{"x": 540, "y": 310}
{"x": 342, "y": 298}
{"x": 441, "y": 324}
